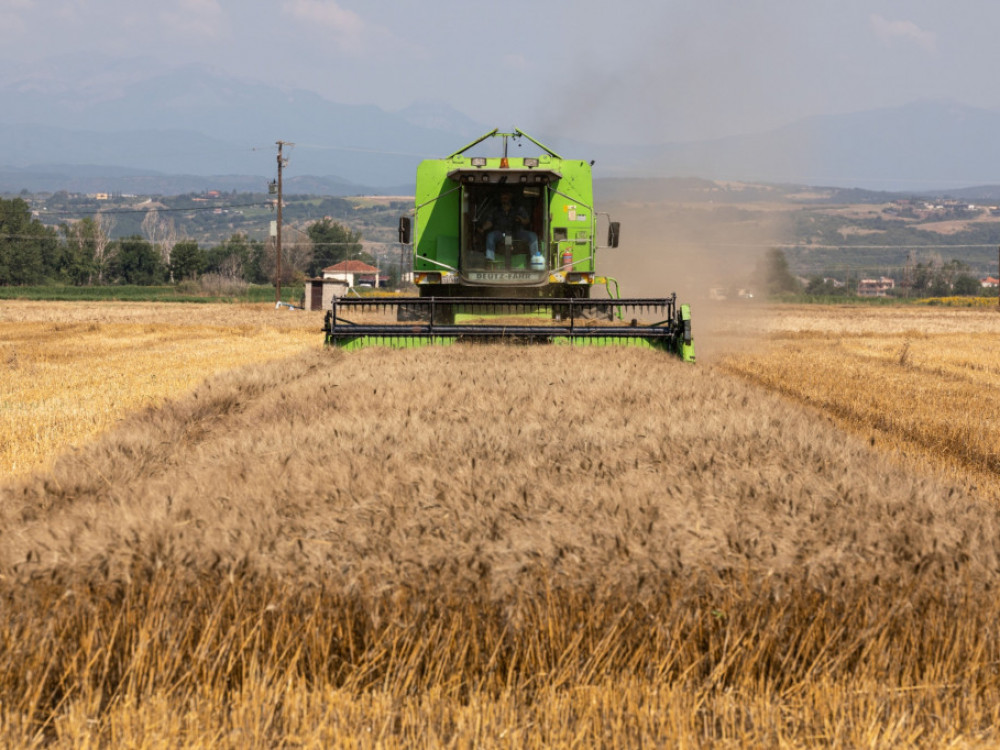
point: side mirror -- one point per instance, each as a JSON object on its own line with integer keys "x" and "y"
{"x": 404, "y": 230}
{"x": 614, "y": 229}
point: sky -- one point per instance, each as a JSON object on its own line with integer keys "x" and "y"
{"x": 624, "y": 71}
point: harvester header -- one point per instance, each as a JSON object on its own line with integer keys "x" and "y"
{"x": 505, "y": 247}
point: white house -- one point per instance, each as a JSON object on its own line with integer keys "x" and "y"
{"x": 355, "y": 273}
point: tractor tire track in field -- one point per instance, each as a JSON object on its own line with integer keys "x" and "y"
{"x": 486, "y": 467}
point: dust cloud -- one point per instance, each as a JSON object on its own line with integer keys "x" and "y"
{"x": 706, "y": 252}
{"x": 648, "y": 103}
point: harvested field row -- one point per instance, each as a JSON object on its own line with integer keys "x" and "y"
{"x": 69, "y": 374}
{"x": 920, "y": 385}
{"x": 229, "y": 316}
{"x": 483, "y": 544}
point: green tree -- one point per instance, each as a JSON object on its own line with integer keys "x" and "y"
{"x": 136, "y": 261}
{"x": 239, "y": 257}
{"x": 938, "y": 279}
{"x": 923, "y": 276}
{"x": 822, "y": 287}
{"x": 28, "y": 250}
{"x": 78, "y": 263}
{"x": 952, "y": 269}
{"x": 967, "y": 285}
{"x": 257, "y": 263}
{"x": 333, "y": 242}
{"x": 940, "y": 287}
{"x": 186, "y": 260}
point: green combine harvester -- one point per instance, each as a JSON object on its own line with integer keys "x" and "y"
{"x": 505, "y": 249}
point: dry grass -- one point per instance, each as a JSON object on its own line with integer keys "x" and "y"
{"x": 495, "y": 546}
{"x": 919, "y": 383}
{"x": 71, "y": 371}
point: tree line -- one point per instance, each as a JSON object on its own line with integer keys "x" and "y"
{"x": 83, "y": 253}
{"x": 935, "y": 278}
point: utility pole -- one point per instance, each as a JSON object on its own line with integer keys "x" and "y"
{"x": 277, "y": 240}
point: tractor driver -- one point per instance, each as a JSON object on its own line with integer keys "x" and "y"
{"x": 508, "y": 219}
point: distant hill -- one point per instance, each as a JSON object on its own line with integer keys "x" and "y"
{"x": 980, "y": 194}
{"x": 922, "y": 146}
{"x": 118, "y": 121}
{"x": 192, "y": 121}
{"x": 696, "y": 189}
{"x": 96, "y": 179}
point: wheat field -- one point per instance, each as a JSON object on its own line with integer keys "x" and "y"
{"x": 494, "y": 546}
{"x": 919, "y": 383}
{"x": 72, "y": 370}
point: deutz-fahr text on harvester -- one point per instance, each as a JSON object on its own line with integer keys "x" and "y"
{"x": 505, "y": 249}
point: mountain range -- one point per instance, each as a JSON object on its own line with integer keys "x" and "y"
{"x": 92, "y": 124}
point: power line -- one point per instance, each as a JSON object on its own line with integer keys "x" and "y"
{"x": 358, "y": 150}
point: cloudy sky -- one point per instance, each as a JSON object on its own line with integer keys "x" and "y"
{"x": 625, "y": 70}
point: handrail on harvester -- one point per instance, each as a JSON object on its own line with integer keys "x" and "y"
{"x": 518, "y": 133}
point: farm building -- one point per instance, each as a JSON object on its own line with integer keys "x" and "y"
{"x": 319, "y": 293}
{"x": 875, "y": 287}
{"x": 355, "y": 273}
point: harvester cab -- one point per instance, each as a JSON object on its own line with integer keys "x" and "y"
{"x": 511, "y": 238}
{"x": 537, "y": 209}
